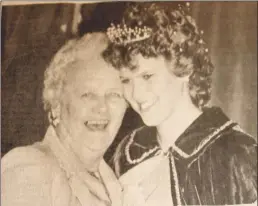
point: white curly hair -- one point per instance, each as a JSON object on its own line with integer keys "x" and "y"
{"x": 89, "y": 46}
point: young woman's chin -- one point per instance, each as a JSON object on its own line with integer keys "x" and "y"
{"x": 152, "y": 120}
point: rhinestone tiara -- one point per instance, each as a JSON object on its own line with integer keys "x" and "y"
{"x": 121, "y": 34}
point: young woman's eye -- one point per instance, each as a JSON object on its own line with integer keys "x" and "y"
{"x": 125, "y": 80}
{"x": 147, "y": 76}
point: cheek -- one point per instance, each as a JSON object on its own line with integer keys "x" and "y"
{"x": 129, "y": 98}
{"x": 76, "y": 110}
{"x": 128, "y": 92}
{"x": 116, "y": 112}
{"x": 117, "y": 109}
{"x": 173, "y": 92}
{"x": 67, "y": 111}
{"x": 158, "y": 86}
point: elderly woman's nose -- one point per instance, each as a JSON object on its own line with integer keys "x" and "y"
{"x": 101, "y": 106}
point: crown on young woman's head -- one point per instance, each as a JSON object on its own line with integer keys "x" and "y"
{"x": 121, "y": 34}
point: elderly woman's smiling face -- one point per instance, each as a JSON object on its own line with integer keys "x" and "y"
{"x": 92, "y": 104}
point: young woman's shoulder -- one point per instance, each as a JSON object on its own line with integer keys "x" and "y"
{"x": 236, "y": 144}
{"x": 230, "y": 143}
{"x": 229, "y": 166}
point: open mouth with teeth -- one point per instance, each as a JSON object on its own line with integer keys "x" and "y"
{"x": 96, "y": 125}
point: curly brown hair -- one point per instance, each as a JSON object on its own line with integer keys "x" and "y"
{"x": 174, "y": 36}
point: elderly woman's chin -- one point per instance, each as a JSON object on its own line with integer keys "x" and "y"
{"x": 88, "y": 137}
{"x": 101, "y": 136}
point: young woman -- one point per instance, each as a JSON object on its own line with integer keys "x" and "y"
{"x": 188, "y": 153}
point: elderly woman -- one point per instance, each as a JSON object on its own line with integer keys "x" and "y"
{"x": 188, "y": 153}
{"x": 83, "y": 96}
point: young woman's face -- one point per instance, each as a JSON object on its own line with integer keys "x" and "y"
{"x": 152, "y": 89}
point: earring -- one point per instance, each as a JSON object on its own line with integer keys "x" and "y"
{"x": 54, "y": 116}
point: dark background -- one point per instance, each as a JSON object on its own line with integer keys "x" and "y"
{"x": 31, "y": 35}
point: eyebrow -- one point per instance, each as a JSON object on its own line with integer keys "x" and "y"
{"x": 140, "y": 74}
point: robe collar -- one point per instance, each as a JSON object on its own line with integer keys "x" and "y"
{"x": 205, "y": 129}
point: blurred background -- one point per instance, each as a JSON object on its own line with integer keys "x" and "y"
{"x": 31, "y": 34}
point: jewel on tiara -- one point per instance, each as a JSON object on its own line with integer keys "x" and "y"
{"x": 121, "y": 34}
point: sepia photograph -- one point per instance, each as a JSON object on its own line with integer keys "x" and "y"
{"x": 128, "y": 103}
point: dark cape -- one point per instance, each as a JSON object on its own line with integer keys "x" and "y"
{"x": 215, "y": 160}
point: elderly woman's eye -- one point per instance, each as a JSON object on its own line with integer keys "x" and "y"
{"x": 87, "y": 95}
{"x": 147, "y": 76}
{"x": 115, "y": 94}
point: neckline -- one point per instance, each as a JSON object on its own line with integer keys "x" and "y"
{"x": 68, "y": 161}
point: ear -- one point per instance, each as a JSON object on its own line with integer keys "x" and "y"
{"x": 56, "y": 111}
{"x": 185, "y": 79}
{"x": 170, "y": 64}
{"x": 184, "y": 85}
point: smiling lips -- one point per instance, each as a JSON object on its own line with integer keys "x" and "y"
{"x": 144, "y": 107}
{"x": 96, "y": 125}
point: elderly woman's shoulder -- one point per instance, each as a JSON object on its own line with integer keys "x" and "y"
{"x": 36, "y": 154}
{"x": 34, "y": 160}
{"x": 30, "y": 174}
